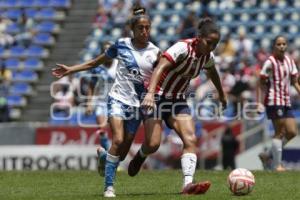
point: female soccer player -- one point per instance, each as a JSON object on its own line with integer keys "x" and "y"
{"x": 277, "y": 73}
{"x": 136, "y": 57}
{"x": 169, "y": 82}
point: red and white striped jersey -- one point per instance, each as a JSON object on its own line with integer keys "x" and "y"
{"x": 186, "y": 65}
{"x": 279, "y": 75}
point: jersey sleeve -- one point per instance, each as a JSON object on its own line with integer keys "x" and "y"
{"x": 211, "y": 61}
{"x": 294, "y": 71}
{"x": 112, "y": 51}
{"x": 177, "y": 52}
{"x": 264, "y": 73}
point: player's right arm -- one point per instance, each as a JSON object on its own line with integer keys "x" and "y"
{"x": 62, "y": 70}
{"x": 262, "y": 83}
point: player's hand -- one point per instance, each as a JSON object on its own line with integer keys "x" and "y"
{"x": 61, "y": 70}
{"x": 148, "y": 103}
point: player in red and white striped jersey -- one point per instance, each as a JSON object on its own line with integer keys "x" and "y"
{"x": 278, "y": 72}
{"x": 170, "y": 79}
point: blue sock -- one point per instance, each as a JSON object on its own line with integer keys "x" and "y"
{"x": 111, "y": 166}
{"x": 103, "y": 140}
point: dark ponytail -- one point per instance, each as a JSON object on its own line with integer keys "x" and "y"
{"x": 138, "y": 12}
{"x": 207, "y": 26}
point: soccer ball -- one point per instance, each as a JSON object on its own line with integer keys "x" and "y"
{"x": 240, "y": 181}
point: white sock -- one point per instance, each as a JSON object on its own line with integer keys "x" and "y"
{"x": 112, "y": 158}
{"x": 276, "y": 151}
{"x": 188, "y": 165}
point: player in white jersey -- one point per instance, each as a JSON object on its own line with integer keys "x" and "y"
{"x": 277, "y": 73}
{"x": 136, "y": 58}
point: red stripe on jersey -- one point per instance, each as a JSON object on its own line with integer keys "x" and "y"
{"x": 173, "y": 76}
{"x": 178, "y": 78}
{"x": 169, "y": 58}
{"x": 279, "y": 82}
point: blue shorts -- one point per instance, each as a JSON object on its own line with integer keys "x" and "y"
{"x": 279, "y": 112}
{"x": 166, "y": 108}
{"x": 130, "y": 114}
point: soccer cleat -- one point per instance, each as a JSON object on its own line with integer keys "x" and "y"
{"x": 109, "y": 192}
{"x": 266, "y": 160}
{"x": 135, "y": 164}
{"x": 101, "y": 161}
{"x": 196, "y": 188}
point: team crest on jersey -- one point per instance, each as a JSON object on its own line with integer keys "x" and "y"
{"x": 149, "y": 59}
{"x": 279, "y": 112}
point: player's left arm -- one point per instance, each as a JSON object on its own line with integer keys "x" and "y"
{"x": 213, "y": 74}
{"x": 295, "y": 82}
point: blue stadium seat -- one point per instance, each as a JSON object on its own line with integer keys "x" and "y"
{"x": 20, "y": 89}
{"x": 11, "y": 4}
{"x": 2, "y": 52}
{"x": 47, "y": 26}
{"x": 25, "y": 76}
{"x": 60, "y": 3}
{"x": 17, "y": 51}
{"x": 41, "y": 3}
{"x": 36, "y": 51}
{"x": 46, "y": 14}
{"x": 25, "y": 3}
{"x": 16, "y": 101}
{"x": 32, "y": 64}
{"x": 13, "y": 28}
{"x": 44, "y": 39}
{"x": 30, "y": 13}
{"x": 13, "y": 14}
{"x": 12, "y": 64}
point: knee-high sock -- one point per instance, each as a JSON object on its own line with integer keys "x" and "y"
{"x": 276, "y": 151}
{"x": 111, "y": 166}
{"x": 188, "y": 165}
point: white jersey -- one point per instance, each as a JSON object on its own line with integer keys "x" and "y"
{"x": 134, "y": 70}
{"x": 279, "y": 74}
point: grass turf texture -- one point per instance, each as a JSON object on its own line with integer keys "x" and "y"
{"x": 154, "y": 185}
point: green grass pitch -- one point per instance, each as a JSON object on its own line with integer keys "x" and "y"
{"x": 154, "y": 185}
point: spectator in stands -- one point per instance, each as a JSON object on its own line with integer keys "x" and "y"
{"x": 100, "y": 19}
{"x": 5, "y": 77}
{"x": 229, "y": 149}
{"x": 4, "y": 22}
{"x": 226, "y": 49}
{"x": 243, "y": 46}
{"x": 63, "y": 100}
{"x": 278, "y": 72}
{"x": 136, "y": 56}
{"x": 169, "y": 82}
{"x": 119, "y": 12}
{"x": 187, "y": 28}
{"x": 6, "y": 40}
{"x": 27, "y": 32}
{"x": 5, "y": 74}
{"x": 4, "y": 109}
